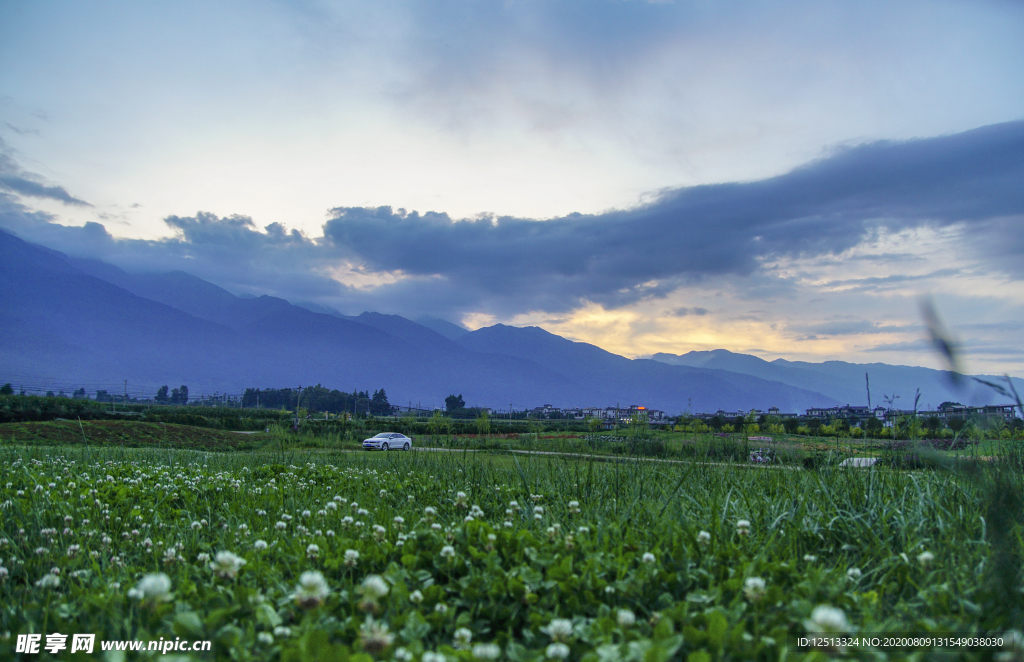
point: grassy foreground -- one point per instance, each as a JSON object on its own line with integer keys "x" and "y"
{"x": 496, "y": 557}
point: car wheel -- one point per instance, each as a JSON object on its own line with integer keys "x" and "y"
{"x": 384, "y": 446}
{"x": 406, "y": 447}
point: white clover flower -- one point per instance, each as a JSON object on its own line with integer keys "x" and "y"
{"x": 265, "y": 638}
{"x": 312, "y": 551}
{"x": 743, "y": 527}
{"x": 827, "y": 620}
{"x": 703, "y": 538}
{"x": 810, "y": 558}
{"x": 312, "y": 590}
{"x": 460, "y": 499}
{"x": 282, "y": 631}
{"x": 259, "y": 545}
{"x": 448, "y": 551}
{"x": 48, "y": 581}
{"x": 538, "y": 510}
{"x": 155, "y": 587}
{"x": 306, "y": 513}
{"x": 441, "y": 608}
{"x": 925, "y": 558}
{"x": 1013, "y": 647}
{"x": 486, "y": 651}
{"x": 196, "y": 525}
{"x": 398, "y": 521}
{"x": 647, "y": 557}
{"x": 854, "y": 574}
{"x": 430, "y": 656}
{"x": 557, "y": 651}
{"x": 201, "y": 557}
{"x": 226, "y": 564}
{"x": 402, "y": 655}
{"x": 435, "y": 527}
{"x": 281, "y": 525}
{"x": 574, "y": 507}
{"x": 416, "y": 597}
{"x": 559, "y": 629}
{"x": 462, "y": 638}
{"x": 609, "y": 590}
{"x": 374, "y": 636}
{"x": 625, "y": 617}
{"x": 753, "y": 588}
{"x": 584, "y": 529}
{"x": 513, "y": 505}
{"x": 351, "y": 557}
{"x": 374, "y": 587}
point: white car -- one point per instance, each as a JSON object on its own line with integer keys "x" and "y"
{"x": 387, "y": 441}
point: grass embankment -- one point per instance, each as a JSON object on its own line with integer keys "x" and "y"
{"x": 123, "y": 433}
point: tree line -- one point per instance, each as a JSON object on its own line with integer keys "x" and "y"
{"x": 319, "y": 398}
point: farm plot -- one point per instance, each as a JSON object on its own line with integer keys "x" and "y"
{"x": 466, "y": 556}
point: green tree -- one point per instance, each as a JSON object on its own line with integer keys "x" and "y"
{"x": 7, "y": 389}
{"x": 379, "y": 405}
{"x": 438, "y": 423}
{"x": 638, "y": 426}
{"x": 454, "y": 403}
{"x": 594, "y": 423}
{"x": 161, "y": 395}
{"x": 483, "y": 423}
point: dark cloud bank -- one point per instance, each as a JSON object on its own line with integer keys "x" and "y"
{"x": 507, "y": 265}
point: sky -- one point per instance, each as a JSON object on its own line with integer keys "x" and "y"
{"x": 789, "y": 180}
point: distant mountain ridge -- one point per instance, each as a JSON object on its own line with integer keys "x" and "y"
{"x": 846, "y": 382}
{"x": 90, "y": 321}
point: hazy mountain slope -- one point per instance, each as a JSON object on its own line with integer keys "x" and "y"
{"x": 845, "y": 381}
{"x": 409, "y": 331}
{"x": 61, "y": 321}
{"x": 444, "y": 327}
{"x": 644, "y": 382}
{"x": 58, "y": 321}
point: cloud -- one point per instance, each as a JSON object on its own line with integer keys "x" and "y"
{"x": 428, "y": 263}
{"x": 684, "y": 311}
{"x": 908, "y": 346}
{"x": 822, "y": 208}
{"x": 852, "y": 327}
{"x": 892, "y": 281}
{"x": 16, "y": 180}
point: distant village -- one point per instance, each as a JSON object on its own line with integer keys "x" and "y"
{"x": 854, "y": 416}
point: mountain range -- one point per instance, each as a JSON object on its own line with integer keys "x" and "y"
{"x": 71, "y": 320}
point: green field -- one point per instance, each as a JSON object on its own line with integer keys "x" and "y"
{"x": 642, "y": 560}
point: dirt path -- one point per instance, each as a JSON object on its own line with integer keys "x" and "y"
{"x": 612, "y": 458}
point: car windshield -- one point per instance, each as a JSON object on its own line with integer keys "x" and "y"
{"x": 383, "y": 435}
